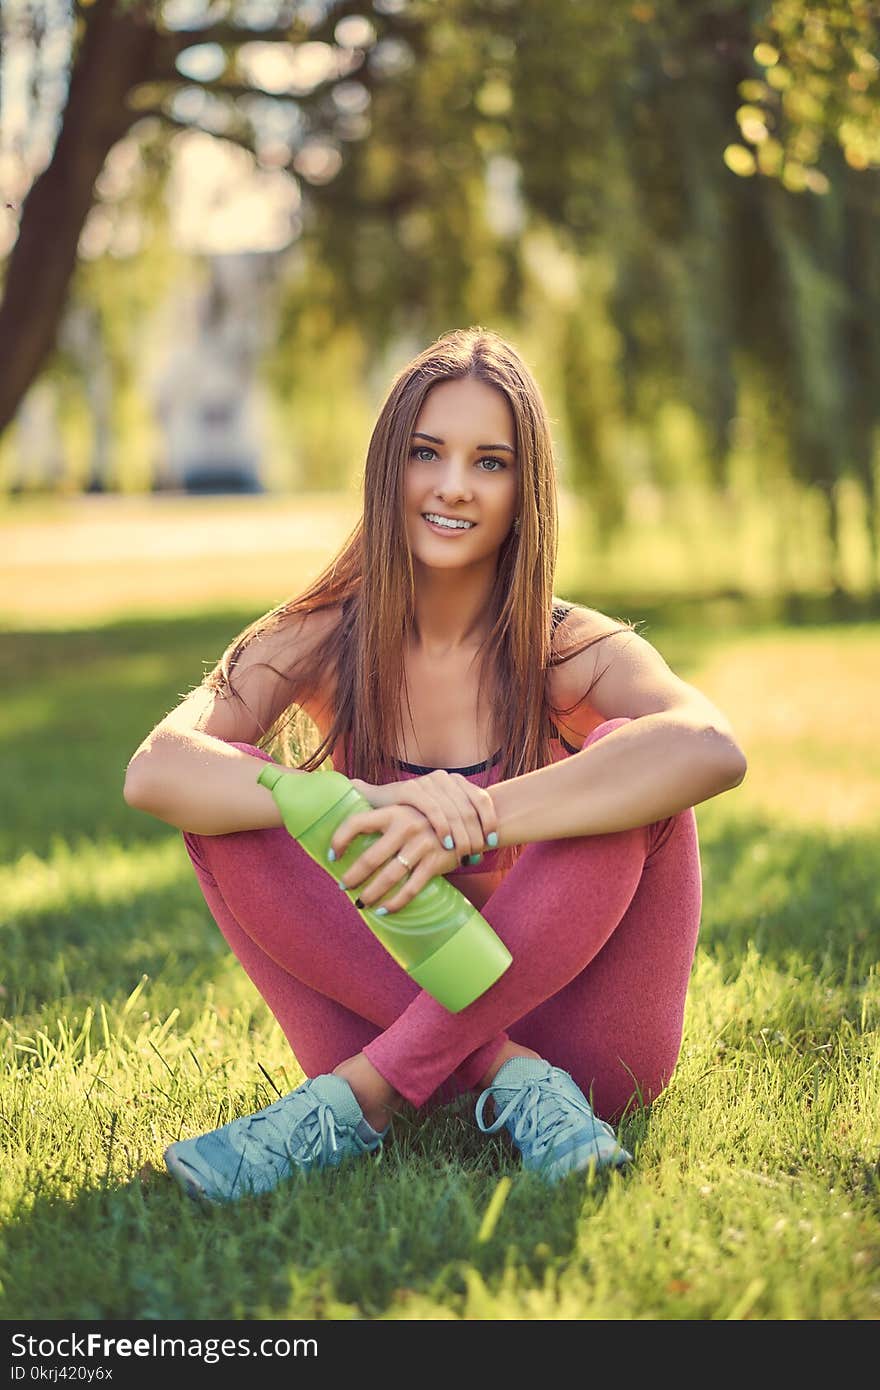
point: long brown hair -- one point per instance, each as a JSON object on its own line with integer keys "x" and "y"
{"x": 371, "y": 582}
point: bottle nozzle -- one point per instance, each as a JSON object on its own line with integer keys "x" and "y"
{"x": 304, "y": 797}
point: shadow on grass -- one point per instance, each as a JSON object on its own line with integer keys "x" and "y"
{"x": 410, "y": 1225}
{"x": 101, "y": 950}
{"x": 790, "y": 893}
{"x": 735, "y": 608}
{"x": 79, "y": 704}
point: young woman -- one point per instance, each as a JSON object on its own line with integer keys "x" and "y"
{"x": 540, "y": 755}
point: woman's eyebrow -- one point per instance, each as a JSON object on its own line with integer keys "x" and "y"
{"x": 420, "y": 434}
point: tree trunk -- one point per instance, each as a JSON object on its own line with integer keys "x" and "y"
{"x": 115, "y": 54}
{"x": 862, "y": 261}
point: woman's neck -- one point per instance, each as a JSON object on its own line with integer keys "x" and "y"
{"x": 451, "y": 615}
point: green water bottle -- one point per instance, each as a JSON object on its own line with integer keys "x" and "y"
{"x": 439, "y": 938}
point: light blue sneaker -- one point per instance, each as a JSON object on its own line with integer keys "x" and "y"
{"x": 316, "y": 1126}
{"x": 549, "y": 1119}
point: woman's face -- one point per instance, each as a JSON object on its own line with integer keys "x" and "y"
{"x": 461, "y": 466}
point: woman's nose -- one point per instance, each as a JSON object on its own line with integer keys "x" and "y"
{"x": 453, "y": 483}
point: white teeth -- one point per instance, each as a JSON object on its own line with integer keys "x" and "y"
{"x": 445, "y": 521}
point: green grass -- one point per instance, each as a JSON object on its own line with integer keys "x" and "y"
{"x": 127, "y": 1023}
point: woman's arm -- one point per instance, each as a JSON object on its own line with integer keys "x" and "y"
{"x": 185, "y": 772}
{"x": 196, "y": 782}
{"x": 679, "y": 750}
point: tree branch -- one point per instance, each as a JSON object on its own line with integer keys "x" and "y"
{"x": 177, "y": 124}
{"x": 231, "y": 35}
{"x": 228, "y": 36}
{"x": 218, "y": 87}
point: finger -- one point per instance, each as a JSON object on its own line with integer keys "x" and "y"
{"x": 467, "y": 831}
{"x": 446, "y": 810}
{"x": 470, "y": 820}
{"x": 373, "y": 858}
{"x": 397, "y": 825}
{"x": 393, "y": 873}
{"x": 484, "y": 808}
{"x": 435, "y": 812}
{"x": 361, "y": 823}
{"x": 480, "y": 813}
{"x": 422, "y": 873}
{"x": 416, "y": 849}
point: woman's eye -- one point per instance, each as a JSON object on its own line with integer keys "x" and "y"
{"x": 424, "y": 449}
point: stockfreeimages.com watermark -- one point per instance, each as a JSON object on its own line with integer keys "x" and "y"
{"x": 97, "y": 1346}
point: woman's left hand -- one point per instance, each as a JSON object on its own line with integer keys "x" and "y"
{"x": 401, "y": 830}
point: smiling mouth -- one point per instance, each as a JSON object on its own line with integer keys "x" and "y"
{"x": 446, "y": 523}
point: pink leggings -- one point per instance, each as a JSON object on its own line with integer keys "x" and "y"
{"x": 602, "y": 929}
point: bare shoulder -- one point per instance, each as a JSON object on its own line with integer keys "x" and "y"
{"x": 305, "y": 632}
{"x": 623, "y": 674}
{"x": 569, "y": 682}
{"x": 259, "y": 675}
{"x": 582, "y": 622}
{"x": 298, "y": 638}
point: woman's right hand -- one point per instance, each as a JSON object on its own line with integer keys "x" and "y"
{"x": 462, "y": 816}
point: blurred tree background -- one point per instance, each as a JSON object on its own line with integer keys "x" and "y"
{"x": 671, "y": 208}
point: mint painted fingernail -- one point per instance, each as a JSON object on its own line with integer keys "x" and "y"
{"x": 492, "y": 839}
{"x": 381, "y": 911}
{"x": 342, "y": 885}
{"x": 331, "y": 854}
{"x": 449, "y": 842}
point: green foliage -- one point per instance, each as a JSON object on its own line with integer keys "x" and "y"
{"x": 749, "y": 301}
{"x": 821, "y": 80}
{"x": 702, "y": 175}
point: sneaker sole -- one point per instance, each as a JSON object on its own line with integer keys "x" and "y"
{"x": 186, "y": 1176}
{"x": 619, "y": 1163}
{"x": 581, "y": 1162}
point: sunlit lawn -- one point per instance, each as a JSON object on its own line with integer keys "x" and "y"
{"x": 755, "y": 1191}
{"x": 76, "y": 560}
